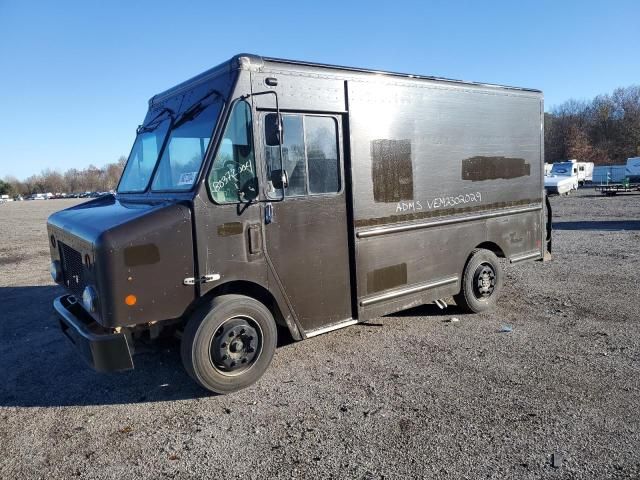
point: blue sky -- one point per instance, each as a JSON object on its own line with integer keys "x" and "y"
{"x": 75, "y": 77}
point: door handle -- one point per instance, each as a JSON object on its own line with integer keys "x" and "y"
{"x": 255, "y": 239}
{"x": 268, "y": 213}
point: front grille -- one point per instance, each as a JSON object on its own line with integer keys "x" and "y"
{"x": 72, "y": 269}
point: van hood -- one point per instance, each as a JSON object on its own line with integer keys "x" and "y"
{"x": 122, "y": 247}
{"x": 90, "y": 220}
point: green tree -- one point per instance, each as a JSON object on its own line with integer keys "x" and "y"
{"x": 5, "y": 188}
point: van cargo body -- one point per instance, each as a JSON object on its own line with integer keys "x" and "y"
{"x": 268, "y": 191}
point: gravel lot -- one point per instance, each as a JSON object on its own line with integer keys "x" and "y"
{"x": 410, "y": 395}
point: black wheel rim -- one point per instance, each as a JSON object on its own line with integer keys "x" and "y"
{"x": 484, "y": 281}
{"x": 236, "y": 345}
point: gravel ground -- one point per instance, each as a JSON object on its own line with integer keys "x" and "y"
{"x": 410, "y": 395}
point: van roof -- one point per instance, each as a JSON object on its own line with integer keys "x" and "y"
{"x": 391, "y": 73}
{"x": 251, "y": 61}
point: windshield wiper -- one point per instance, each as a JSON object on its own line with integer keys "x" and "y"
{"x": 155, "y": 122}
{"x": 194, "y": 110}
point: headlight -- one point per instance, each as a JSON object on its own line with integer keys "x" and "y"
{"x": 56, "y": 271}
{"x": 90, "y": 299}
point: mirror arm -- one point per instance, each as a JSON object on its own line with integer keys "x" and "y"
{"x": 285, "y": 180}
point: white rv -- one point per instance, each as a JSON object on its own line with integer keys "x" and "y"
{"x": 585, "y": 172}
{"x": 563, "y": 178}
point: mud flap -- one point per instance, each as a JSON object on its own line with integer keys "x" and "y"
{"x": 547, "y": 251}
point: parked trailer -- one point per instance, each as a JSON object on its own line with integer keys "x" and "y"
{"x": 563, "y": 178}
{"x": 603, "y": 174}
{"x": 615, "y": 188}
{"x": 632, "y": 170}
{"x": 269, "y": 191}
{"x": 585, "y": 172}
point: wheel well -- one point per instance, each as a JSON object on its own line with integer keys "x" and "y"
{"x": 492, "y": 247}
{"x": 253, "y": 290}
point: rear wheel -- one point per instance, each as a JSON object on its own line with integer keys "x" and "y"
{"x": 228, "y": 343}
{"x": 481, "y": 282}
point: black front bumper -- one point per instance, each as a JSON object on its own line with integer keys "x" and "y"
{"x": 104, "y": 350}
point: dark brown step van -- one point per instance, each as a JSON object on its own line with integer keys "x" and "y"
{"x": 268, "y": 192}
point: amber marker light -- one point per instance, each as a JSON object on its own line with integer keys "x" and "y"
{"x": 130, "y": 300}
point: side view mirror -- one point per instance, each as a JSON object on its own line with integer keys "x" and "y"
{"x": 273, "y": 129}
{"x": 249, "y": 191}
{"x": 279, "y": 179}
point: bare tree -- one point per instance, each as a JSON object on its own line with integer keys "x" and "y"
{"x": 604, "y": 131}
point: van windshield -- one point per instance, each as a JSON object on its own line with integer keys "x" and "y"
{"x": 187, "y": 132}
{"x": 143, "y": 157}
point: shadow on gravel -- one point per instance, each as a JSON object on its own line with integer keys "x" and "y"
{"x": 427, "y": 310}
{"x": 604, "y": 225}
{"x": 600, "y": 195}
{"x": 40, "y": 367}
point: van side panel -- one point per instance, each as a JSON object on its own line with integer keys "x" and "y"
{"x": 426, "y": 155}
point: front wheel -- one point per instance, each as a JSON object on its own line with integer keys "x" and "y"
{"x": 481, "y": 282}
{"x": 228, "y": 343}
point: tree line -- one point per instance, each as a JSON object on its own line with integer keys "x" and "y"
{"x": 605, "y": 130}
{"x": 90, "y": 179}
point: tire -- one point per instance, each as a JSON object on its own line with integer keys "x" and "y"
{"x": 228, "y": 343}
{"x": 481, "y": 282}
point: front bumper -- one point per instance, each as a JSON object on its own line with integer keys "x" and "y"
{"x": 104, "y": 350}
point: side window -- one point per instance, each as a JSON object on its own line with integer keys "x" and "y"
{"x": 322, "y": 154}
{"x": 233, "y": 175}
{"x": 310, "y": 157}
{"x": 293, "y": 161}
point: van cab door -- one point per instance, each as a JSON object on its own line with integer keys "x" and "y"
{"x": 306, "y": 231}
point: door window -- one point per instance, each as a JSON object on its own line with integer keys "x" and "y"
{"x": 293, "y": 158}
{"x": 322, "y": 154}
{"x": 310, "y": 157}
{"x": 232, "y": 178}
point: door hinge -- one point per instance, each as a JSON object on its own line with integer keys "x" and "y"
{"x": 212, "y": 277}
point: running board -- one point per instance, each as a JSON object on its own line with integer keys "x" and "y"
{"x": 330, "y": 328}
{"x": 526, "y": 256}
{"x": 400, "y": 292}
